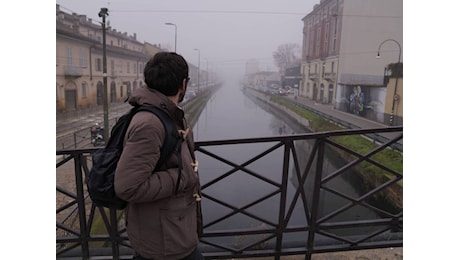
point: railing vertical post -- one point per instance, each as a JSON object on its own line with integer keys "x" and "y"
{"x": 282, "y": 209}
{"x": 114, "y": 234}
{"x": 316, "y": 197}
{"x": 84, "y": 235}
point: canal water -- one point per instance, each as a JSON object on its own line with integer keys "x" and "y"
{"x": 230, "y": 114}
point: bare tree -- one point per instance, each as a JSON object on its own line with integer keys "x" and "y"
{"x": 285, "y": 55}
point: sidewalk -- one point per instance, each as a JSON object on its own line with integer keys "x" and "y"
{"x": 357, "y": 121}
{"x": 329, "y": 109}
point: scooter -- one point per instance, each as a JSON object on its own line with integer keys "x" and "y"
{"x": 97, "y": 135}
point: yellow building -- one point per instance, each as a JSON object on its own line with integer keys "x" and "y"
{"x": 394, "y": 101}
{"x": 79, "y": 63}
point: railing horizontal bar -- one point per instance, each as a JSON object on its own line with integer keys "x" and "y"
{"x": 356, "y": 223}
{"x": 238, "y": 232}
{"x": 316, "y": 135}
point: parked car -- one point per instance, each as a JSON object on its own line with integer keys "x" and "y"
{"x": 282, "y": 92}
{"x": 189, "y": 94}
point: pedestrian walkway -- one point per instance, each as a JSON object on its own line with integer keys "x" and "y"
{"x": 329, "y": 109}
{"x": 353, "y": 121}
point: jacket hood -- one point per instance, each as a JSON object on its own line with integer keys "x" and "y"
{"x": 146, "y": 96}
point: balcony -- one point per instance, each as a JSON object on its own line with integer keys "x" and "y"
{"x": 313, "y": 76}
{"x": 73, "y": 71}
{"x": 330, "y": 76}
{"x": 84, "y": 230}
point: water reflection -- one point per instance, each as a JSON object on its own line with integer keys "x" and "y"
{"x": 232, "y": 115}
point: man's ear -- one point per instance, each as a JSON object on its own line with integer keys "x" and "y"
{"x": 184, "y": 85}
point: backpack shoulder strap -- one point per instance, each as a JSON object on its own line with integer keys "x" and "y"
{"x": 119, "y": 130}
{"x": 172, "y": 138}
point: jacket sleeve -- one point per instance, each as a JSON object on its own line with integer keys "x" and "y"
{"x": 135, "y": 181}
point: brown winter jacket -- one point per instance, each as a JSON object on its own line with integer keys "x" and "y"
{"x": 160, "y": 224}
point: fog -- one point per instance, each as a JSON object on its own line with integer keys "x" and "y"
{"x": 226, "y": 33}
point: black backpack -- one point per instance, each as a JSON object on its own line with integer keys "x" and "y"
{"x": 100, "y": 181}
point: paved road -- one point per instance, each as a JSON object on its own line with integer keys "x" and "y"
{"x": 77, "y": 129}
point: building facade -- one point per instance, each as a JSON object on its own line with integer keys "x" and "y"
{"x": 79, "y": 63}
{"x": 340, "y": 43}
{"x": 291, "y": 79}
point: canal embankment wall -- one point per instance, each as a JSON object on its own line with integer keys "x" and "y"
{"x": 266, "y": 99}
{"x": 392, "y": 199}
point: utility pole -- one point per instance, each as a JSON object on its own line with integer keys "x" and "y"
{"x": 399, "y": 68}
{"x": 175, "y": 35}
{"x": 198, "y": 69}
{"x": 103, "y": 13}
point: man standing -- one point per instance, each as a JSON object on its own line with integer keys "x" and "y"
{"x": 162, "y": 212}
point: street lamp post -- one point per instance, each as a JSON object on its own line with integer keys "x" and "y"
{"x": 103, "y": 13}
{"x": 175, "y": 35}
{"x": 397, "y": 76}
{"x": 207, "y": 72}
{"x": 198, "y": 69}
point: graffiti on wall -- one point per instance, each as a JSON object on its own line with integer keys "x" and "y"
{"x": 356, "y": 101}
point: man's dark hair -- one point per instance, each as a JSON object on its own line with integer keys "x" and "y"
{"x": 165, "y": 72}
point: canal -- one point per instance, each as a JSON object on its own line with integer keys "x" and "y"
{"x": 230, "y": 114}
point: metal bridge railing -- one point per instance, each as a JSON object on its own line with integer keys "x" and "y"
{"x": 271, "y": 203}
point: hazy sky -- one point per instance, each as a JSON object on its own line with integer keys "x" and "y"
{"x": 227, "y": 33}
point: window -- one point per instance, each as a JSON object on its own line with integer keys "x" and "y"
{"x": 127, "y": 67}
{"x": 121, "y": 91}
{"x": 83, "y": 90}
{"x": 318, "y": 40}
{"x": 332, "y": 67}
{"x": 98, "y": 64}
{"x": 134, "y": 68}
{"x": 83, "y": 60}
{"x": 112, "y": 67}
{"x": 69, "y": 56}
{"x": 310, "y": 51}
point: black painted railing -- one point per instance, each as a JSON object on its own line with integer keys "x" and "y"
{"x": 275, "y": 202}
